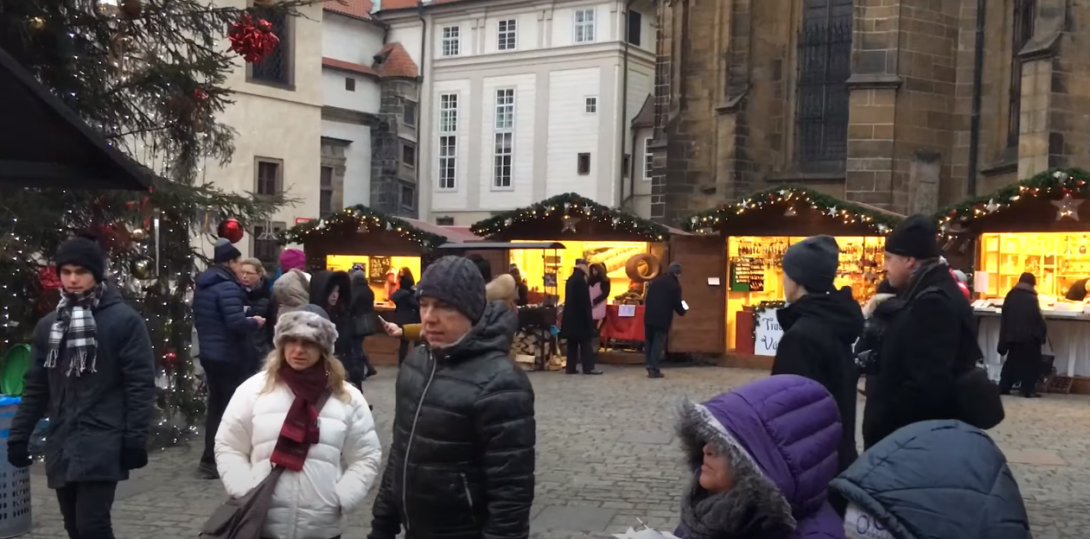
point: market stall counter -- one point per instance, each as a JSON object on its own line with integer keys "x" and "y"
{"x": 754, "y": 234}
{"x": 1033, "y": 226}
{"x": 384, "y": 246}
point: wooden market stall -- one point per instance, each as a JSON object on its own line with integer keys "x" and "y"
{"x": 1033, "y": 226}
{"x": 752, "y": 236}
{"x": 625, "y": 244}
{"x": 384, "y": 245}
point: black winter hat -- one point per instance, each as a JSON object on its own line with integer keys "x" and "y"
{"x": 915, "y": 237}
{"x": 225, "y": 252}
{"x": 812, "y": 263}
{"x": 456, "y": 281}
{"x": 82, "y": 252}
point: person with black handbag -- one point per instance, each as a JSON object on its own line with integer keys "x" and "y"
{"x": 362, "y": 311}
{"x": 297, "y": 449}
{"x": 1022, "y": 332}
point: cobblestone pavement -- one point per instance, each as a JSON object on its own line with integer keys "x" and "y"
{"x": 607, "y": 457}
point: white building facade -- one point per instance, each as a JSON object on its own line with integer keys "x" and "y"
{"x": 524, "y": 99}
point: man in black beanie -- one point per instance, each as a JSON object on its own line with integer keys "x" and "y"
{"x": 93, "y": 374}
{"x": 929, "y": 342}
{"x": 820, "y": 325}
{"x": 467, "y": 411}
{"x": 223, "y": 331}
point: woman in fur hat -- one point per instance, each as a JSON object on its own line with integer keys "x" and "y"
{"x": 301, "y": 414}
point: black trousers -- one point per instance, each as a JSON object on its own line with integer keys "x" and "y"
{"x": 1023, "y": 365}
{"x": 222, "y": 378}
{"x": 580, "y": 351}
{"x": 85, "y": 508}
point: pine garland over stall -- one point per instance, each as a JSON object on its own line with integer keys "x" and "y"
{"x": 792, "y": 199}
{"x": 1065, "y": 188}
{"x": 359, "y": 218}
{"x": 572, "y": 209}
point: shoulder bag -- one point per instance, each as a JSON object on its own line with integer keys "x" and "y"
{"x": 244, "y": 518}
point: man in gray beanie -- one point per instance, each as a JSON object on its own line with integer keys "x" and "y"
{"x": 820, "y": 324}
{"x": 467, "y": 411}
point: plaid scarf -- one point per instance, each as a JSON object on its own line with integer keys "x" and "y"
{"x": 75, "y": 326}
{"x": 300, "y": 429}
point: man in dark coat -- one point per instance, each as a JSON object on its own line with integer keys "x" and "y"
{"x": 930, "y": 341}
{"x": 663, "y": 300}
{"x": 93, "y": 375}
{"x": 362, "y": 309}
{"x": 223, "y": 331}
{"x": 461, "y": 462}
{"x": 577, "y": 321}
{"x": 1022, "y": 332}
{"x": 820, "y": 323}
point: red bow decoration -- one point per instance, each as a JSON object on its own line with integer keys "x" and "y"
{"x": 253, "y": 40}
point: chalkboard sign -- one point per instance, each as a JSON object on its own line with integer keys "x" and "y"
{"x": 377, "y": 267}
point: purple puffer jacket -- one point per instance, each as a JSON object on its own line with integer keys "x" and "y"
{"x": 780, "y": 436}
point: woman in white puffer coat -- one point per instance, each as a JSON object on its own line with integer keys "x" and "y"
{"x": 330, "y": 456}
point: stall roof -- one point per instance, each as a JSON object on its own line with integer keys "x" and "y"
{"x": 492, "y": 245}
{"x": 451, "y": 233}
{"x": 569, "y": 215}
{"x": 48, "y": 145}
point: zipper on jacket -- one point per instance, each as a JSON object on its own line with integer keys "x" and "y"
{"x": 409, "y": 444}
{"x": 469, "y": 497}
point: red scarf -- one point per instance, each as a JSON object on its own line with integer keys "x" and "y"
{"x": 300, "y": 430}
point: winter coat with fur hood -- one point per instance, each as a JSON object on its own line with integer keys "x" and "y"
{"x": 780, "y": 435}
{"x": 291, "y": 292}
{"x": 339, "y": 471}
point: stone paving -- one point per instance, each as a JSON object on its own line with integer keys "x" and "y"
{"x": 607, "y": 457}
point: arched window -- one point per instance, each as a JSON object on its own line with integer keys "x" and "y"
{"x": 1021, "y": 32}
{"x": 824, "y": 61}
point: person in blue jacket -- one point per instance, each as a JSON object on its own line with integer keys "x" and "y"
{"x": 933, "y": 480}
{"x": 223, "y": 332}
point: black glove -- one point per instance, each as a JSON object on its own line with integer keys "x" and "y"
{"x": 19, "y": 455}
{"x": 1002, "y": 349}
{"x": 134, "y": 455}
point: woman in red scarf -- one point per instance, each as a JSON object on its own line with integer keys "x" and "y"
{"x": 330, "y": 455}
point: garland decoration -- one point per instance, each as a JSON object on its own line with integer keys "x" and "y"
{"x": 1066, "y": 188}
{"x": 573, "y": 208}
{"x": 791, "y": 199}
{"x": 359, "y": 219}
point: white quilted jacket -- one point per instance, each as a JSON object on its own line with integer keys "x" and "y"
{"x": 339, "y": 470}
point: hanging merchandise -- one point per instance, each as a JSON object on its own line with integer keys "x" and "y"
{"x": 253, "y": 40}
{"x": 231, "y": 229}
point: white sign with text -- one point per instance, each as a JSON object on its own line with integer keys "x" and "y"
{"x": 768, "y": 333}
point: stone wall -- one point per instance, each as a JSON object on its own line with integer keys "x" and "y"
{"x": 388, "y": 176}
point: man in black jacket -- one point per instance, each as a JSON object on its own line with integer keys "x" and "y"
{"x": 662, "y": 301}
{"x": 93, "y": 376}
{"x": 820, "y": 324}
{"x": 930, "y": 341}
{"x": 461, "y": 463}
{"x": 577, "y": 321}
{"x": 1022, "y": 332}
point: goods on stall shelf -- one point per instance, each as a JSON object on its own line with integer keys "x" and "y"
{"x": 378, "y": 268}
{"x": 541, "y": 267}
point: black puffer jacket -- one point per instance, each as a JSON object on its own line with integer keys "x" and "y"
{"x": 819, "y": 330}
{"x": 322, "y": 285}
{"x": 92, "y": 417}
{"x": 461, "y": 463}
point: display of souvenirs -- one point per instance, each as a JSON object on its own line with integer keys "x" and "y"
{"x": 1057, "y": 259}
{"x": 756, "y": 262}
{"x": 747, "y": 274}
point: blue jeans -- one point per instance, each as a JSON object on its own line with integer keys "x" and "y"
{"x": 655, "y": 342}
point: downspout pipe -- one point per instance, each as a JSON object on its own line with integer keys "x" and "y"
{"x": 624, "y": 106}
{"x": 974, "y": 118}
{"x": 419, "y": 100}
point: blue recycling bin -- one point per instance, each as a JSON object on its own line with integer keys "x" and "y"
{"x": 15, "y": 519}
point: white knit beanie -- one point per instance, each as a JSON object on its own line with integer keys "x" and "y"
{"x": 308, "y": 325}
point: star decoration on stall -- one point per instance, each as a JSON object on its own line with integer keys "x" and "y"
{"x": 790, "y": 212}
{"x": 1067, "y": 207}
{"x": 569, "y": 224}
{"x": 992, "y": 206}
{"x": 832, "y": 211}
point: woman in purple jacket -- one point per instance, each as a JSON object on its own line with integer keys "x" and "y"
{"x": 763, "y": 456}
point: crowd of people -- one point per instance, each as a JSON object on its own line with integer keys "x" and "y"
{"x": 288, "y": 421}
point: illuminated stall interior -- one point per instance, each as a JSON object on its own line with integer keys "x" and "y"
{"x": 759, "y": 229}
{"x": 377, "y": 268}
{"x": 755, "y": 269}
{"x": 1056, "y": 259}
{"x": 535, "y": 264}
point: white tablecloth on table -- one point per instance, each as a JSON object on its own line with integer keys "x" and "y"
{"x": 1070, "y": 341}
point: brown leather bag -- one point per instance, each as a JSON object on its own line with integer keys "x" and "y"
{"x": 244, "y": 518}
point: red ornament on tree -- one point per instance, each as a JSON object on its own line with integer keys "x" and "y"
{"x": 170, "y": 360}
{"x": 253, "y": 40}
{"x": 231, "y": 229}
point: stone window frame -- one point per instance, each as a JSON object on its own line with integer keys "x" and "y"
{"x": 451, "y": 44}
{"x": 503, "y": 133}
{"x": 279, "y": 180}
{"x": 507, "y": 35}
{"x": 447, "y": 138}
{"x": 579, "y": 159}
{"x": 835, "y": 162}
{"x": 284, "y": 50}
{"x": 584, "y": 28}
{"x": 648, "y": 158}
{"x": 590, "y": 104}
{"x": 1023, "y": 22}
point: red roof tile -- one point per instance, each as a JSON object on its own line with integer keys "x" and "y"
{"x": 353, "y": 8}
{"x": 395, "y": 62}
{"x": 348, "y": 66}
{"x": 403, "y": 4}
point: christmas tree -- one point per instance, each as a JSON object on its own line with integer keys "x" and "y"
{"x": 149, "y": 75}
